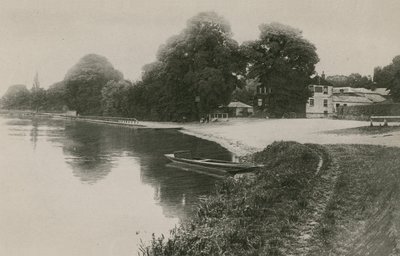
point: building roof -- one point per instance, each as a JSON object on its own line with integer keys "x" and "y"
{"x": 238, "y": 104}
{"x": 375, "y": 98}
{"x": 382, "y": 91}
{"x": 351, "y": 99}
{"x": 379, "y": 91}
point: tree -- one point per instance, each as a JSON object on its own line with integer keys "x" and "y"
{"x": 16, "y": 97}
{"x": 389, "y": 77}
{"x": 354, "y": 80}
{"x": 283, "y": 61}
{"x": 115, "y": 98}
{"x": 84, "y": 83}
{"x": 38, "y": 99}
{"x": 56, "y": 97}
{"x": 247, "y": 93}
{"x": 198, "y": 69}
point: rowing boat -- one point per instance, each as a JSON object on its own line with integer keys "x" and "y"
{"x": 185, "y": 161}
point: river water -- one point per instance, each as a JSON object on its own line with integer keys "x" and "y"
{"x": 77, "y": 188}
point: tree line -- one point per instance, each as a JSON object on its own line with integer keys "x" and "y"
{"x": 195, "y": 72}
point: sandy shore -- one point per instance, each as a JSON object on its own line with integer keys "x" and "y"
{"x": 246, "y": 135}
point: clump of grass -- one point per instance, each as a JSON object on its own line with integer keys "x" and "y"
{"x": 249, "y": 216}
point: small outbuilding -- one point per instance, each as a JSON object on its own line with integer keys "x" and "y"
{"x": 239, "y": 109}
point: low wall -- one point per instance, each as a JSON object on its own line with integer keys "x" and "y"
{"x": 363, "y": 112}
{"x": 319, "y": 115}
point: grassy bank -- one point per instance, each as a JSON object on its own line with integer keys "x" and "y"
{"x": 250, "y": 217}
{"x": 348, "y": 207}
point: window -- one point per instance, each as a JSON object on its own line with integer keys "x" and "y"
{"x": 325, "y": 103}
{"x": 337, "y": 105}
{"x": 259, "y": 102}
{"x": 325, "y": 89}
{"x": 269, "y": 90}
{"x": 318, "y": 89}
{"x": 311, "y": 102}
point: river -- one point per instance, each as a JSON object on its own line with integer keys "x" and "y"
{"x": 77, "y": 188}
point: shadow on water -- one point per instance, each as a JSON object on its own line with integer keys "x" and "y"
{"x": 92, "y": 151}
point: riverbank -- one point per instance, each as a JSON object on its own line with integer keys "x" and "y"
{"x": 349, "y": 207}
{"x": 248, "y": 135}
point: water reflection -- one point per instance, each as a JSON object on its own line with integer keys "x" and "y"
{"x": 86, "y": 152}
{"x": 34, "y": 132}
{"x": 89, "y": 189}
{"x": 93, "y": 151}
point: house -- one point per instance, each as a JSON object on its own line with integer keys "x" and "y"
{"x": 262, "y": 96}
{"x": 326, "y": 100}
{"x": 320, "y": 104}
{"x": 239, "y": 109}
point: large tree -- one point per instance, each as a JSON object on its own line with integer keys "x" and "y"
{"x": 389, "y": 77}
{"x": 115, "y": 98}
{"x": 16, "y": 97}
{"x": 283, "y": 61}
{"x": 197, "y": 69}
{"x": 85, "y": 81}
{"x": 56, "y": 97}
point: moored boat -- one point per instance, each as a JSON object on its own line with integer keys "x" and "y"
{"x": 184, "y": 160}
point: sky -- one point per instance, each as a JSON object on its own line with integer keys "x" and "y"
{"x": 50, "y": 36}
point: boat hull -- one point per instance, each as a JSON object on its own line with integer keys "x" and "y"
{"x": 219, "y": 169}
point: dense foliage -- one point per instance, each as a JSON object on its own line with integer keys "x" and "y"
{"x": 196, "y": 71}
{"x": 353, "y": 80}
{"x": 246, "y": 93}
{"x": 16, "y": 97}
{"x": 389, "y": 77}
{"x": 283, "y": 61}
{"x": 85, "y": 81}
{"x": 249, "y": 216}
{"x": 56, "y": 97}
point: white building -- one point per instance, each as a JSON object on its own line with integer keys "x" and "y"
{"x": 326, "y": 100}
{"x": 320, "y": 104}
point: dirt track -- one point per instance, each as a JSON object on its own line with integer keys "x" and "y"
{"x": 363, "y": 215}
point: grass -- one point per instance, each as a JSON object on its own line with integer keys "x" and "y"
{"x": 349, "y": 207}
{"x": 249, "y": 216}
{"x": 362, "y": 217}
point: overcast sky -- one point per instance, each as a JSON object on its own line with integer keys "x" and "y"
{"x": 51, "y": 36}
